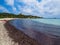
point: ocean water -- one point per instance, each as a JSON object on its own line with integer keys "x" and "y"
{"x": 49, "y": 21}
{"x": 47, "y": 26}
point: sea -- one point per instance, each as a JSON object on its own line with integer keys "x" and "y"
{"x": 47, "y": 26}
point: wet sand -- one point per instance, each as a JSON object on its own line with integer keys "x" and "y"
{"x": 11, "y": 36}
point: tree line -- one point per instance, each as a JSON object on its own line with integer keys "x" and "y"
{"x": 9, "y": 15}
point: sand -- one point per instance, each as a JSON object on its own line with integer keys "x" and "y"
{"x": 11, "y": 36}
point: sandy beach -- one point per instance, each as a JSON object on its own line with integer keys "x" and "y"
{"x": 11, "y": 36}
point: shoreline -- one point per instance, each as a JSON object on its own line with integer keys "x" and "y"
{"x": 11, "y": 36}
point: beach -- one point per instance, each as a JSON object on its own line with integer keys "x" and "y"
{"x": 11, "y": 36}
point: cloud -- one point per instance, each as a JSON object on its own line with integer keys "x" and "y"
{"x": 9, "y": 2}
{"x": 26, "y": 1}
{"x": 44, "y": 8}
{"x": 27, "y": 11}
{"x": 29, "y": 6}
{"x": 53, "y": 7}
{"x": 3, "y": 9}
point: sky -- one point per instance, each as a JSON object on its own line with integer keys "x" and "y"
{"x": 44, "y": 8}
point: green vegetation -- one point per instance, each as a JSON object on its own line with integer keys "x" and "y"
{"x": 9, "y": 15}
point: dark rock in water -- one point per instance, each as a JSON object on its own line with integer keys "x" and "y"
{"x": 43, "y": 33}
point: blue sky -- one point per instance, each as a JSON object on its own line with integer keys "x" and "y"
{"x": 44, "y": 8}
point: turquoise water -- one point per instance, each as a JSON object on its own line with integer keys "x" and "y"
{"x": 49, "y": 21}
{"x": 26, "y": 25}
{"x": 37, "y": 30}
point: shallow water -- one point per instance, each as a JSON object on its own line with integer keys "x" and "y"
{"x": 48, "y": 21}
{"x": 47, "y": 26}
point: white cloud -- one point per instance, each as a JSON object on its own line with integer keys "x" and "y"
{"x": 9, "y": 2}
{"x": 27, "y": 11}
{"x": 50, "y": 7}
{"x": 26, "y": 1}
{"x": 43, "y": 8}
{"x": 53, "y": 6}
{"x": 3, "y": 9}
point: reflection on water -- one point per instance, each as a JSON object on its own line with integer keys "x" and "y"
{"x": 29, "y": 24}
